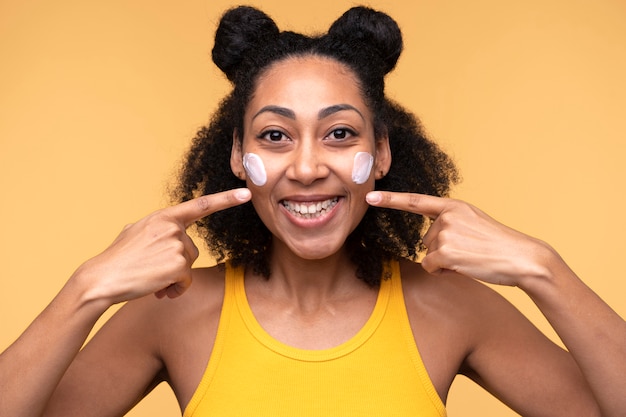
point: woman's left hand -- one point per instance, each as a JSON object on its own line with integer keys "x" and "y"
{"x": 467, "y": 241}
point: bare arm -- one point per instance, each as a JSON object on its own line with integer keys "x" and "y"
{"x": 34, "y": 364}
{"x": 594, "y": 334}
{"x": 153, "y": 255}
{"x": 464, "y": 240}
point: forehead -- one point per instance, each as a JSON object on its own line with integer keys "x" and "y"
{"x": 307, "y": 81}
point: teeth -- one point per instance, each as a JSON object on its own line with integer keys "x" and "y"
{"x": 311, "y": 210}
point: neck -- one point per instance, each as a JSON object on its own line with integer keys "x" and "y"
{"x": 308, "y": 284}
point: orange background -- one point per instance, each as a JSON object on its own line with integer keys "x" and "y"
{"x": 98, "y": 101}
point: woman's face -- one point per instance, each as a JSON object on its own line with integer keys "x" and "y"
{"x": 304, "y": 126}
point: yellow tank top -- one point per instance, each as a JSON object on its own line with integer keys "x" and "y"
{"x": 379, "y": 372}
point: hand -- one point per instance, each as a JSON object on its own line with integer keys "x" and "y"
{"x": 155, "y": 254}
{"x": 467, "y": 241}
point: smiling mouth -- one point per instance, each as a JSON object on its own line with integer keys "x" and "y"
{"x": 310, "y": 210}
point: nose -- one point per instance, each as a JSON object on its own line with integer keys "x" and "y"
{"x": 307, "y": 163}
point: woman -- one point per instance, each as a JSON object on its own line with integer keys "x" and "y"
{"x": 316, "y": 311}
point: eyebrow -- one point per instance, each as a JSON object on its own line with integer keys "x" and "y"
{"x": 337, "y": 108}
{"x": 325, "y": 112}
{"x": 281, "y": 111}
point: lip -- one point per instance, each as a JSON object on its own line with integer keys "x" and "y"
{"x": 312, "y": 198}
{"x": 331, "y": 204}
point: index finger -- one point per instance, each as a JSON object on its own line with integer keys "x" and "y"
{"x": 426, "y": 205}
{"x": 190, "y": 211}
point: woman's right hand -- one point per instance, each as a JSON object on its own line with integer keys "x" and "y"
{"x": 153, "y": 255}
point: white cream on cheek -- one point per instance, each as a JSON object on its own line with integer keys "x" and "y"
{"x": 255, "y": 169}
{"x": 362, "y": 167}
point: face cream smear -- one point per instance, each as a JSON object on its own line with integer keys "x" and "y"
{"x": 362, "y": 167}
{"x": 255, "y": 169}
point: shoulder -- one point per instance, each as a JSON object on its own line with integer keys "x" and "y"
{"x": 205, "y": 293}
{"x": 462, "y": 326}
{"x": 183, "y": 329}
{"x": 449, "y": 295}
{"x": 202, "y": 301}
{"x": 151, "y": 339}
{"x": 451, "y": 316}
{"x": 155, "y": 321}
{"x": 461, "y": 304}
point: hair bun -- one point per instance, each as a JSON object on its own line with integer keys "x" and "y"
{"x": 375, "y": 29}
{"x": 241, "y": 30}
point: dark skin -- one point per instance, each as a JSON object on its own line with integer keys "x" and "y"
{"x": 461, "y": 241}
{"x": 453, "y": 317}
{"x": 151, "y": 256}
{"x": 460, "y": 326}
{"x": 313, "y": 300}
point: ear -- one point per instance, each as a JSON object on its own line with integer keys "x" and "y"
{"x": 236, "y": 158}
{"x": 383, "y": 157}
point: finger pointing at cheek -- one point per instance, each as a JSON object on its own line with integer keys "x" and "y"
{"x": 193, "y": 210}
{"x": 155, "y": 254}
{"x": 426, "y": 205}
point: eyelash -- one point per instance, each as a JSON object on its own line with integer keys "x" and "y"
{"x": 347, "y": 133}
{"x": 268, "y": 133}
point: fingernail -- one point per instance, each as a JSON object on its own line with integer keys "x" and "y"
{"x": 374, "y": 197}
{"x": 242, "y": 194}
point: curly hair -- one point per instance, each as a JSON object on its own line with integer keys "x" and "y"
{"x": 369, "y": 43}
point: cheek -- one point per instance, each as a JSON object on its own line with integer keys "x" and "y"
{"x": 255, "y": 169}
{"x": 362, "y": 167}
{"x": 260, "y": 170}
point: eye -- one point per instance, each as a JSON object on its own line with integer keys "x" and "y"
{"x": 273, "y": 135}
{"x": 341, "y": 134}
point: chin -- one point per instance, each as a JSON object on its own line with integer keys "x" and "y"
{"x": 312, "y": 251}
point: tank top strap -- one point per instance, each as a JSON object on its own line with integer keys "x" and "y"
{"x": 399, "y": 318}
